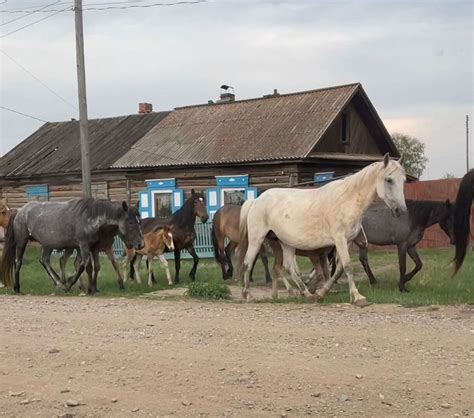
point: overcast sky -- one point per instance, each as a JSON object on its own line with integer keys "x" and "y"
{"x": 414, "y": 59}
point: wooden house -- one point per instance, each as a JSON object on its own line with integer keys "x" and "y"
{"x": 231, "y": 149}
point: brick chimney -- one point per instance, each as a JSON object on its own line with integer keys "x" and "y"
{"x": 144, "y": 108}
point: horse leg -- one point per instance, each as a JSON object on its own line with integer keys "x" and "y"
{"x": 136, "y": 265}
{"x": 19, "y": 252}
{"x": 45, "y": 262}
{"x": 164, "y": 264}
{"x": 149, "y": 263}
{"x": 264, "y": 258}
{"x": 63, "y": 261}
{"x": 364, "y": 260}
{"x": 229, "y": 249}
{"x": 110, "y": 254}
{"x": 177, "y": 265}
{"x": 289, "y": 263}
{"x": 77, "y": 262}
{"x": 402, "y": 264}
{"x": 85, "y": 254}
{"x": 153, "y": 280}
{"x": 345, "y": 262}
{"x": 192, "y": 273}
{"x": 418, "y": 263}
{"x": 278, "y": 271}
{"x": 249, "y": 260}
{"x": 94, "y": 273}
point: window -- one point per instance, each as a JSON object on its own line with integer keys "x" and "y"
{"x": 160, "y": 199}
{"x": 344, "y": 128}
{"x": 38, "y": 193}
{"x": 162, "y": 204}
{"x": 320, "y": 179}
{"x": 233, "y": 196}
{"x": 229, "y": 190}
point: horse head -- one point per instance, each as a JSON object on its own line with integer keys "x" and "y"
{"x": 444, "y": 215}
{"x": 200, "y": 209}
{"x": 168, "y": 237}
{"x": 130, "y": 226}
{"x": 390, "y": 185}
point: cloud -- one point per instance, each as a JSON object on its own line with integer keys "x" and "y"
{"x": 413, "y": 58}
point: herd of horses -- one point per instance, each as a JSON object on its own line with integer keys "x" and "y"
{"x": 319, "y": 223}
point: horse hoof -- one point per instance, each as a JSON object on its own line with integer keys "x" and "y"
{"x": 404, "y": 290}
{"x": 362, "y": 303}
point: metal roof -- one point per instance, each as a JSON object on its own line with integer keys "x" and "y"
{"x": 278, "y": 127}
{"x": 55, "y": 147}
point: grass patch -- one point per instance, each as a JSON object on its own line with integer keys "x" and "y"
{"x": 208, "y": 290}
{"x": 433, "y": 285}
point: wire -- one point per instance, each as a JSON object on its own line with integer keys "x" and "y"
{"x": 33, "y": 23}
{"x": 29, "y": 13}
{"x": 126, "y": 6}
{"x": 23, "y": 114}
{"x": 38, "y": 80}
{"x": 138, "y": 6}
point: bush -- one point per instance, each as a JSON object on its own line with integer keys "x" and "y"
{"x": 204, "y": 290}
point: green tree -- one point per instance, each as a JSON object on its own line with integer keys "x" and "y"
{"x": 413, "y": 151}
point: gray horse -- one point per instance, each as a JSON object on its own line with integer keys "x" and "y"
{"x": 381, "y": 228}
{"x": 65, "y": 225}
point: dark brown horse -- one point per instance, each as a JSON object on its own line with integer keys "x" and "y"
{"x": 182, "y": 228}
{"x": 225, "y": 224}
{"x": 462, "y": 218}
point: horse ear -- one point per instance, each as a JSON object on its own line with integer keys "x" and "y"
{"x": 138, "y": 204}
{"x": 386, "y": 159}
{"x": 448, "y": 203}
{"x": 193, "y": 193}
{"x": 401, "y": 159}
{"x": 125, "y": 206}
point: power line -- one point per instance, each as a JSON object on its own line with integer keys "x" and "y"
{"x": 38, "y": 80}
{"x": 33, "y": 23}
{"x": 29, "y": 13}
{"x": 23, "y": 114}
{"x": 88, "y": 7}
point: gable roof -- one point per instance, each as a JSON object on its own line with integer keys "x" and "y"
{"x": 55, "y": 147}
{"x": 270, "y": 128}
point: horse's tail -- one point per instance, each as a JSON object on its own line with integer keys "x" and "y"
{"x": 7, "y": 264}
{"x": 462, "y": 214}
{"x": 215, "y": 244}
{"x": 243, "y": 235}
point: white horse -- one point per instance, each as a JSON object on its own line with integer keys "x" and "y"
{"x": 318, "y": 218}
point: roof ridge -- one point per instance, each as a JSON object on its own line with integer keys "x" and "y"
{"x": 114, "y": 117}
{"x": 271, "y": 96}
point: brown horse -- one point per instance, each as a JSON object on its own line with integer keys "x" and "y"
{"x": 105, "y": 243}
{"x": 182, "y": 228}
{"x": 156, "y": 243}
{"x": 225, "y": 224}
{"x": 5, "y": 213}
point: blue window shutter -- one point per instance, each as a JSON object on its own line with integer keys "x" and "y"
{"x": 178, "y": 199}
{"x": 144, "y": 199}
{"x": 251, "y": 193}
{"x": 213, "y": 201}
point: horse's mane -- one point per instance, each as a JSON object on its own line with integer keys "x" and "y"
{"x": 94, "y": 208}
{"x": 184, "y": 217}
{"x": 462, "y": 214}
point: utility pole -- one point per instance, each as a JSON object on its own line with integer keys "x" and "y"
{"x": 467, "y": 142}
{"x": 81, "y": 84}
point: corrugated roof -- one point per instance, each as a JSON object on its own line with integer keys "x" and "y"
{"x": 281, "y": 127}
{"x": 55, "y": 147}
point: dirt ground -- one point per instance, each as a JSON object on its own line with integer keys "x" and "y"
{"x": 136, "y": 357}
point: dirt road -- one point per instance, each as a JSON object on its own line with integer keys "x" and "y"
{"x": 128, "y": 357}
